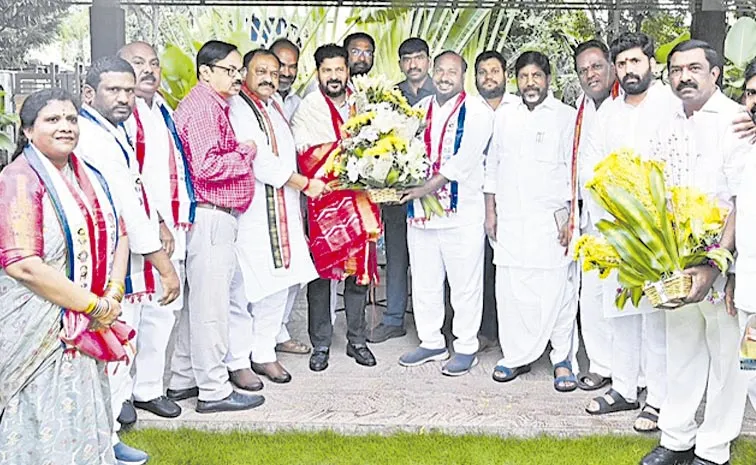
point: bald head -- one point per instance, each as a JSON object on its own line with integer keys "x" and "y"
{"x": 146, "y": 64}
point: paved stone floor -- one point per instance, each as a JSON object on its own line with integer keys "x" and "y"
{"x": 352, "y": 399}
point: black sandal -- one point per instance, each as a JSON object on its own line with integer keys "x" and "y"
{"x": 620, "y": 404}
{"x": 649, "y": 413}
{"x": 592, "y": 381}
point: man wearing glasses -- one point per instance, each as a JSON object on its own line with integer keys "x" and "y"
{"x": 361, "y": 50}
{"x": 221, "y": 172}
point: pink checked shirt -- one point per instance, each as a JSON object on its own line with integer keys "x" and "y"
{"x": 220, "y": 167}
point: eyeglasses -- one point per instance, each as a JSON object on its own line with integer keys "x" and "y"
{"x": 596, "y": 67}
{"x": 231, "y": 71}
{"x": 357, "y": 52}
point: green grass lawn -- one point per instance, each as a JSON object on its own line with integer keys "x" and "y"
{"x": 190, "y": 447}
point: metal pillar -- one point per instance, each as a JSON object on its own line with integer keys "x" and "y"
{"x": 107, "y": 27}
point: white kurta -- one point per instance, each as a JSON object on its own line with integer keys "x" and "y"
{"x": 253, "y": 245}
{"x": 153, "y": 322}
{"x": 702, "y": 340}
{"x": 435, "y": 248}
{"x": 528, "y": 172}
{"x": 594, "y": 327}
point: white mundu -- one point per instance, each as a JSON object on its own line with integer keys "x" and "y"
{"x": 702, "y": 339}
{"x": 528, "y": 172}
{"x": 745, "y": 295}
{"x": 109, "y": 150}
{"x": 162, "y": 160}
{"x": 638, "y": 335}
{"x": 274, "y": 256}
{"x": 595, "y": 328}
{"x": 452, "y": 246}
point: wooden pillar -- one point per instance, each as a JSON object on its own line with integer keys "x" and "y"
{"x": 107, "y": 27}
{"x": 709, "y": 24}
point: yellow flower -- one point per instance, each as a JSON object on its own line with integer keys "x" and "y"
{"x": 356, "y": 122}
{"x": 389, "y": 143}
{"x": 597, "y": 254}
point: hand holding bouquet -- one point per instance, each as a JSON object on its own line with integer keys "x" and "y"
{"x": 382, "y": 150}
{"x": 656, "y": 232}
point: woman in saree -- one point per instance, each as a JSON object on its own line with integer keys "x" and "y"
{"x": 62, "y": 264}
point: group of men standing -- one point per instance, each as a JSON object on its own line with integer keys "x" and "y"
{"x": 211, "y": 196}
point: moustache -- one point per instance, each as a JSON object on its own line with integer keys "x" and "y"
{"x": 268, "y": 84}
{"x": 629, "y": 76}
{"x": 237, "y": 82}
{"x": 284, "y": 77}
{"x": 334, "y": 81}
{"x": 415, "y": 70}
{"x": 122, "y": 108}
{"x": 532, "y": 89}
{"x": 687, "y": 85}
{"x": 148, "y": 78}
{"x": 448, "y": 83}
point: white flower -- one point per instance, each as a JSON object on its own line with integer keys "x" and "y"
{"x": 368, "y": 133}
{"x": 353, "y": 172}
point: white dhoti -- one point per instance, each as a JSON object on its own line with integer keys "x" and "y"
{"x": 639, "y": 350}
{"x": 702, "y": 359}
{"x": 457, "y": 254}
{"x": 535, "y": 306}
{"x": 267, "y": 316}
{"x": 594, "y": 326}
{"x": 750, "y": 374}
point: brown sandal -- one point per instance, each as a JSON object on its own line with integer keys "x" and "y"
{"x": 292, "y": 346}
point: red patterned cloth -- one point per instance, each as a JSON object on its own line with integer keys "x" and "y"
{"x": 221, "y": 168}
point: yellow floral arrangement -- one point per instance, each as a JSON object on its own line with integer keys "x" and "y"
{"x": 656, "y": 232}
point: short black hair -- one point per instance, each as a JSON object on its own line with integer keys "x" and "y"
{"x": 714, "y": 59}
{"x": 413, "y": 45}
{"x": 358, "y": 35}
{"x": 488, "y": 55}
{"x": 258, "y": 51}
{"x": 452, "y": 53}
{"x": 630, "y": 40}
{"x": 283, "y": 42}
{"x": 589, "y": 44}
{"x": 329, "y": 51}
{"x": 750, "y": 72}
{"x": 107, "y": 64}
{"x": 533, "y": 58}
{"x": 212, "y": 52}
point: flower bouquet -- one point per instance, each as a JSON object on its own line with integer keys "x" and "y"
{"x": 655, "y": 234}
{"x": 382, "y": 150}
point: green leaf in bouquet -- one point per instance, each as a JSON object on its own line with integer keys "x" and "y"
{"x": 692, "y": 259}
{"x": 639, "y": 221}
{"x": 722, "y": 257}
{"x": 392, "y": 177}
{"x": 631, "y": 250}
{"x": 621, "y": 298}
{"x": 629, "y": 277}
{"x": 635, "y": 295}
{"x": 659, "y": 194}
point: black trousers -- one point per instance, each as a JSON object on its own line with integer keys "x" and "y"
{"x": 319, "y": 324}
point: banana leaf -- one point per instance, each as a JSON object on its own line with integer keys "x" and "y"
{"x": 659, "y": 194}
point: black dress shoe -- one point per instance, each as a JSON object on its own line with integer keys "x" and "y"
{"x": 699, "y": 461}
{"x": 181, "y": 394}
{"x": 663, "y": 456}
{"x": 161, "y": 406}
{"x": 234, "y": 402}
{"x": 319, "y": 359}
{"x": 361, "y": 354}
{"x": 128, "y": 415}
{"x": 273, "y": 371}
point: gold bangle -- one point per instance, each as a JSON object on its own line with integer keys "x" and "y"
{"x": 92, "y": 304}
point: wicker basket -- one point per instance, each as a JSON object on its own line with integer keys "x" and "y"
{"x": 385, "y": 195}
{"x": 669, "y": 293}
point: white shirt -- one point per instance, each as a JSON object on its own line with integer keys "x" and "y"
{"x": 745, "y": 237}
{"x": 467, "y": 166}
{"x": 621, "y": 125}
{"x": 156, "y": 173}
{"x": 99, "y": 146}
{"x": 528, "y": 169}
{"x": 289, "y": 104}
{"x": 589, "y": 119}
{"x": 253, "y": 244}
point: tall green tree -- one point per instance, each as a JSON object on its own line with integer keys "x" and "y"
{"x": 26, "y": 24}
